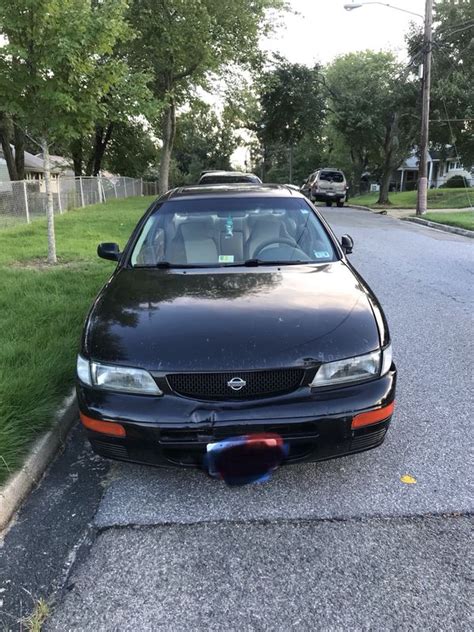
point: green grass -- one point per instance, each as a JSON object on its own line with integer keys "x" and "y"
{"x": 437, "y": 198}
{"x": 461, "y": 220}
{"x": 36, "y": 620}
{"x": 42, "y": 312}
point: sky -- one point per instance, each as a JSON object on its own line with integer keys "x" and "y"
{"x": 322, "y": 29}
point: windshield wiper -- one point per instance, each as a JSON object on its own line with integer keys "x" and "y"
{"x": 249, "y": 263}
{"x": 166, "y": 265}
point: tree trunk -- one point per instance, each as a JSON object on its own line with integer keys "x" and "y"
{"x": 77, "y": 156}
{"x": 384, "y": 187}
{"x": 19, "y": 136}
{"x": 102, "y": 138}
{"x": 5, "y": 135}
{"x": 358, "y": 166}
{"x": 266, "y": 161}
{"x": 168, "y": 135}
{"x": 390, "y": 150}
{"x": 49, "y": 208}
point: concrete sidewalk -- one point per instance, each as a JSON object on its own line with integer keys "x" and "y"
{"x": 399, "y": 213}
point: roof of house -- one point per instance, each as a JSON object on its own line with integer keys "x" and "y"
{"x": 32, "y": 163}
{"x": 35, "y": 163}
{"x": 433, "y": 156}
{"x": 58, "y": 164}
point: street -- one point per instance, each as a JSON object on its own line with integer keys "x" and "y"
{"x": 375, "y": 541}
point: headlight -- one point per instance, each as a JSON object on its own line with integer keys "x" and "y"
{"x": 358, "y": 369}
{"x": 84, "y": 370}
{"x": 386, "y": 359}
{"x": 116, "y": 378}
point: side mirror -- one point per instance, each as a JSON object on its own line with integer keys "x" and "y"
{"x": 347, "y": 244}
{"x": 109, "y": 250}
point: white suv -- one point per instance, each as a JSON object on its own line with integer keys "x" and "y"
{"x": 329, "y": 185}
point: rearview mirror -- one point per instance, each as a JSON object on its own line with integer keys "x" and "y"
{"x": 347, "y": 244}
{"x": 109, "y": 250}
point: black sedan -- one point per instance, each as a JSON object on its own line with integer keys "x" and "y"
{"x": 234, "y": 311}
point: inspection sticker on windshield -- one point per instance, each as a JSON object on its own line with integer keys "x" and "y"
{"x": 321, "y": 254}
{"x": 226, "y": 258}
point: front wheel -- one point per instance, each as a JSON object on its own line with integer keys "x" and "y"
{"x": 340, "y": 203}
{"x": 329, "y": 203}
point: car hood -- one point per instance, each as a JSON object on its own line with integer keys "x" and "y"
{"x": 228, "y": 319}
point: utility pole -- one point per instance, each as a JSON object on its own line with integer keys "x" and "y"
{"x": 421, "y": 202}
{"x": 290, "y": 164}
{"x": 422, "y": 194}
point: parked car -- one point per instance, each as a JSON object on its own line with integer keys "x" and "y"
{"x": 234, "y": 311}
{"x": 329, "y": 185}
{"x": 228, "y": 177}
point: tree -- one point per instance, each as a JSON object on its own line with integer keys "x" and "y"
{"x": 292, "y": 112}
{"x": 372, "y": 104}
{"x": 118, "y": 110}
{"x": 48, "y": 71}
{"x": 182, "y": 41}
{"x": 452, "y": 81}
{"x": 204, "y": 140}
{"x": 132, "y": 152}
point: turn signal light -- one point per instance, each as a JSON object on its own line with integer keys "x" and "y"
{"x": 373, "y": 416}
{"x": 104, "y": 427}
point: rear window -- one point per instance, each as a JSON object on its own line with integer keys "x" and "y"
{"x": 227, "y": 179}
{"x": 331, "y": 176}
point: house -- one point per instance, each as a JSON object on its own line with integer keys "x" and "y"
{"x": 60, "y": 166}
{"x": 34, "y": 170}
{"x": 440, "y": 169}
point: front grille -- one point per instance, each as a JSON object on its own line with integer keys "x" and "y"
{"x": 214, "y": 386}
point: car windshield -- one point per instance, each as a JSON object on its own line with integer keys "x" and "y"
{"x": 331, "y": 176}
{"x": 224, "y": 232}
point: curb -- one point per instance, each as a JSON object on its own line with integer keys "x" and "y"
{"x": 443, "y": 227}
{"x": 377, "y": 211}
{"x": 18, "y": 486}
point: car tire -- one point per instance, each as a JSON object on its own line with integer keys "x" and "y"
{"x": 329, "y": 203}
{"x": 340, "y": 203}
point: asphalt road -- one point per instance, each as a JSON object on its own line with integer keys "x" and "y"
{"x": 340, "y": 545}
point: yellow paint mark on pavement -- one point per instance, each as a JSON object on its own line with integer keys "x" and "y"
{"x": 409, "y": 480}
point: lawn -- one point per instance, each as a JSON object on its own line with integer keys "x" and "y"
{"x": 42, "y": 311}
{"x": 461, "y": 220}
{"x": 437, "y": 198}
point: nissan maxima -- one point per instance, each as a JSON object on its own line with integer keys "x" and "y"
{"x": 234, "y": 311}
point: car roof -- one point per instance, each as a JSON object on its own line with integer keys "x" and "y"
{"x": 227, "y": 173}
{"x": 232, "y": 190}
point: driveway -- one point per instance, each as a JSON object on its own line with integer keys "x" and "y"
{"x": 344, "y": 544}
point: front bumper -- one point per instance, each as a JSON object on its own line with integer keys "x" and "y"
{"x": 174, "y": 431}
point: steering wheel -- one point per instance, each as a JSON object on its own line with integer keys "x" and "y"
{"x": 286, "y": 241}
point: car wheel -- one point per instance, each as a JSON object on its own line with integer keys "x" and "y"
{"x": 340, "y": 203}
{"x": 329, "y": 203}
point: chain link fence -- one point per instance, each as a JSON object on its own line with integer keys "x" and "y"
{"x": 23, "y": 201}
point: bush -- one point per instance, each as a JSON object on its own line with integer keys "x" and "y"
{"x": 456, "y": 182}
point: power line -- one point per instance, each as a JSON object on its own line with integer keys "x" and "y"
{"x": 454, "y": 120}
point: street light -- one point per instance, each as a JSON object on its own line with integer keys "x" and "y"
{"x": 422, "y": 193}
{"x": 357, "y": 5}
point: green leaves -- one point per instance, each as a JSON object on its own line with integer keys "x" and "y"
{"x": 57, "y": 64}
{"x": 373, "y": 111}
